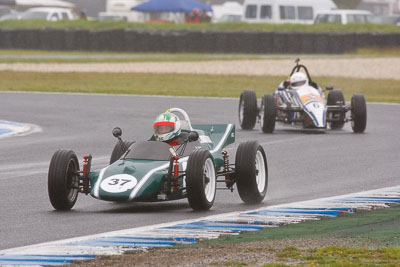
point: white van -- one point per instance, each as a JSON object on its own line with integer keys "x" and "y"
{"x": 227, "y": 12}
{"x": 284, "y": 11}
{"x": 344, "y": 16}
{"x": 121, "y": 10}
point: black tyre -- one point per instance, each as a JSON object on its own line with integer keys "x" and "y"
{"x": 268, "y": 113}
{"x": 336, "y": 97}
{"x": 358, "y": 113}
{"x": 248, "y": 109}
{"x": 119, "y": 149}
{"x": 201, "y": 181}
{"x": 251, "y": 172}
{"x": 63, "y": 179}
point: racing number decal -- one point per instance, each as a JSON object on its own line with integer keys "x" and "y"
{"x": 118, "y": 183}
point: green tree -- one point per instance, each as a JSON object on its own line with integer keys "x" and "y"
{"x": 347, "y": 4}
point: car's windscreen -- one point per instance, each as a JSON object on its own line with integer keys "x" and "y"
{"x": 149, "y": 150}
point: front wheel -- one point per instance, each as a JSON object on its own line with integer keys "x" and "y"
{"x": 248, "y": 109}
{"x": 268, "y": 113}
{"x": 201, "y": 181}
{"x": 251, "y": 172}
{"x": 63, "y": 179}
{"x": 336, "y": 98}
{"x": 358, "y": 113}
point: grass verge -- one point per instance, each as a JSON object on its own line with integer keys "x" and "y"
{"x": 373, "y": 229}
{"x": 95, "y": 25}
{"x": 38, "y": 56}
{"x": 183, "y": 84}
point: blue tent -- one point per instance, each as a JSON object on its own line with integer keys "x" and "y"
{"x": 181, "y": 6}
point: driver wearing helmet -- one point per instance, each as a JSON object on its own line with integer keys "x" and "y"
{"x": 297, "y": 80}
{"x": 167, "y": 128}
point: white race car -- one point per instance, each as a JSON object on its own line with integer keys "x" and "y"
{"x": 304, "y": 106}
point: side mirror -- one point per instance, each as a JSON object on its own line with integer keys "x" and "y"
{"x": 329, "y": 87}
{"x": 117, "y": 132}
{"x": 193, "y": 136}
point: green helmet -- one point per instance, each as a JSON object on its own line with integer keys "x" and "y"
{"x": 167, "y": 126}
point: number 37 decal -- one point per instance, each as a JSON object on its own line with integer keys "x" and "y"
{"x": 118, "y": 183}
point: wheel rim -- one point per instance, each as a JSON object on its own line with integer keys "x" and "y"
{"x": 209, "y": 187}
{"x": 260, "y": 171}
{"x": 72, "y": 181}
{"x": 241, "y": 110}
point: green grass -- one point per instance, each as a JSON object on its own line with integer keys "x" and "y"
{"x": 376, "y": 229}
{"x": 183, "y": 84}
{"x": 340, "y": 256}
{"x": 37, "y": 56}
{"x": 375, "y": 235}
{"x": 95, "y": 25}
{"x": 378, "y": 52}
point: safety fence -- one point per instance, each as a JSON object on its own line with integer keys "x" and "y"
{"x": 200, "y": 41}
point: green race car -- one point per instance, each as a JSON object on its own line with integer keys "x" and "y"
{"x": 155, "y": 171}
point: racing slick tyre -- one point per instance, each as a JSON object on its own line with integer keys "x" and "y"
{"x": 336, "y": 97}
{"x": 120, "y": 148}
{"x": 358, "y": 113}
{"x": 248, "y": 109}
{"x": 63, "y": 179}
{"x": 201, "y": 180}
{"x": 268, "y": 113}
{"x": 251, "y": 172}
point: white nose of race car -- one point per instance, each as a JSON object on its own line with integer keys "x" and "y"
{"x": 316, "y": 111}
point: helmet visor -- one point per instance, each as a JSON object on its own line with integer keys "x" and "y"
{"x": 299, "y": 83}
{"x": 163, "y": 129}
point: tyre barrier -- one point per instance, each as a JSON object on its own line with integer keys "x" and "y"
{"x": 190, "y": 231}
{"x": 199, "y": 41}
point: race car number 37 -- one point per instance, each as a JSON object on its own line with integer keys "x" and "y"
{"x": 118, "y": 183}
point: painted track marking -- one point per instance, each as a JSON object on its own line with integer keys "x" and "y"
{"x": 190, "y": 231}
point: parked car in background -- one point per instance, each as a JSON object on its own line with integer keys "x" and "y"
{"x": 49, "y": 14}
{"x": 12, "y": 15}
{"x": 343, "y": 16}
{"x": 393, "y": 20}
{"x": 4, "y": 10}
{"x": 284, "y": 11}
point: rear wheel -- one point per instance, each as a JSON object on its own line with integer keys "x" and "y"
{"x": 358, "y": 113}
{"x": 201, "y": 181}
{"x": 63, "y": 179}
{"x": 251, "y": 172}
{"x": 120, "y": 148}
{"x": 268, "y": 113}
{"x": 248, "y": 109}
{"x": 336, "y": 97}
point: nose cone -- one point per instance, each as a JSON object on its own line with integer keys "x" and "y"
{"x": 316, "y": 110}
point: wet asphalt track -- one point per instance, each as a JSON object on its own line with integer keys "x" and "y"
{"x": 302, "y": 165}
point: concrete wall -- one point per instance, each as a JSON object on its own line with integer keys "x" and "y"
{"x": 193, "y": 41}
